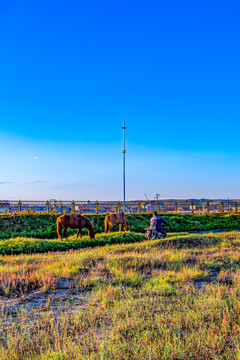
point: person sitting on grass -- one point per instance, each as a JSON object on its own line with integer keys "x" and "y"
{"x": 156, "y": 224}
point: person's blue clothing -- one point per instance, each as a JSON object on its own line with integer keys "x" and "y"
{"x": 156, "y": 224}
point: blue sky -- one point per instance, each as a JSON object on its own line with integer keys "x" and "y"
{"x": 71, "y": 72}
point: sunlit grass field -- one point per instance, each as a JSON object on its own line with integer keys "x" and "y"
{"x": 19, "y": 245}
{"x": 175, "y": 298}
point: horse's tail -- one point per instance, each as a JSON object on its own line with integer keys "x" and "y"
{"x": 59, "y": 228}
{"x": 106, "y": 224}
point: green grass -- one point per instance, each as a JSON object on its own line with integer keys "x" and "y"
{"x": 31, "y": 245}
{"x": 44, "y": 225}
{"x": 26, "y": 245}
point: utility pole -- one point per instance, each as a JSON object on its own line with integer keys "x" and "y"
{"x": 124, "y": 152}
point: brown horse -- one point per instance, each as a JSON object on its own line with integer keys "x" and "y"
{"x": 74, "y": 222}
{"x": 115, "y": 219}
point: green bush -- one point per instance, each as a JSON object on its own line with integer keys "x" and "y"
{"x": 43, "y": 226}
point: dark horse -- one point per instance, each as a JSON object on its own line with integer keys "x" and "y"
{"x": 74, "y": 222}
{"x": 116, "y": 219}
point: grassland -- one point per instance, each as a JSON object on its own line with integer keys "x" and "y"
{"x": 23, "y": 245}
{"x": 43, "y": 226}
{"x": 176, "y": 298}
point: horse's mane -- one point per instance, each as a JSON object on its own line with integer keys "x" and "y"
{"x": 87, "y": 220}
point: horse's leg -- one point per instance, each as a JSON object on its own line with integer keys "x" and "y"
{"x": 61, "y": 235}
{"x": 120, "y": 227}
{"x": 59, "y": 230}
{"x": 65, "y": 232}
{"x": 110, "y": 228}
{"x": 106, "y": 225}
{"x": 79, "y": 232}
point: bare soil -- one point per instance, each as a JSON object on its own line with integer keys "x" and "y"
{"x": 65, "y": 297}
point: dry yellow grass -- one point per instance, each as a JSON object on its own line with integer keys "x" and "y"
{"x": 172, "y": 299}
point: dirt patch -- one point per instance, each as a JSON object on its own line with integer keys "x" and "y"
{"x": 65, "y": 297}
{"x": 219, "y": 252}
{"x": 214, "y": 278}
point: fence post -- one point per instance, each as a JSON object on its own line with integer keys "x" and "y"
{"x": 139, "y": 207}
{"x": 19, "y": 206}
{"x": 176, "y": 207}
{"x": 162, "y": 210}
{"x": 236, "y": 207}
{"x": 222, "y": 207}
{"x": 47, "y": 206}
{"x": 119, "y": 206}
{"x": 192, "y": 205}
{"x": 208, "y": 207}
{"x": 96, "y": 207}
{"x": 73, "y": 206}
{"x": 158, "y": 206}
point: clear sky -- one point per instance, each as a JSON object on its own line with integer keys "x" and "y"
{"x": 72, "y": 71}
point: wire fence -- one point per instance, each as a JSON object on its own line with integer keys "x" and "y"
{"x": 136, "y": 206}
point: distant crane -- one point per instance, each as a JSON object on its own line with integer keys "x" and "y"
{"x": 146, "y": 203}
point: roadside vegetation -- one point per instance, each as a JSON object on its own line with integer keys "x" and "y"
{"x": 43, "y": 226}
{"x": 176, "y": 298}
{"x": 31, "y": 245}
{"x": 25, "y": 245}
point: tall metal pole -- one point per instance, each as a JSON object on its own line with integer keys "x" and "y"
{"x": 124, "y": 152}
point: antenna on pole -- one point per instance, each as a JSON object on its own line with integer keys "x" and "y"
{"x": 124, "y": 152}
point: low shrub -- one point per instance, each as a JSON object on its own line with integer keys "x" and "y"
{"x": 43, "y": 226}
